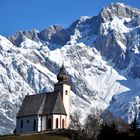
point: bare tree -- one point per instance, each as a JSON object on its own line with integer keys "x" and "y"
{"x": 92, "y": 124}
{"x": 122, "y": 125}
{"x": 75, "y": 123}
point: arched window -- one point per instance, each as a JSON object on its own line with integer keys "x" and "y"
{"x": 49, "y": 123}
{"x": 56, "y": 122}
{"x": 66, "y": 92}
{"x": 63, "y": 124}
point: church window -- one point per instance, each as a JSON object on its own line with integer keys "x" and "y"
{"x": 63, "y": 123}
{"x": 66, "y": 92}
{"x": 21, "y": 125}
{"x": 49, "y": 123}
{"x": 34, "y": 125}
{"x": 56, "y": 122}
{"x": 27, "y": 121}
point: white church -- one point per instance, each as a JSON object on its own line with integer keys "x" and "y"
{"x": 47, "y": 111}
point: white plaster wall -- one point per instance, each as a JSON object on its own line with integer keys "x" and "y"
{"x": 39, "y": 123}
{"x": 54, "y": 121}
{"x": 27, "y": 127}
{"x": 44, "y": 123}
{"x": 60, "y": 118}
{"x": 66, "y": 101}
{"x": 65, "y": 121}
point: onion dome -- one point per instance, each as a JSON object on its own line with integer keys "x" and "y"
{"x": 62, "y": 76}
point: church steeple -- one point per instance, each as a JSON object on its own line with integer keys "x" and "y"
{"x": 62, "y": 76}
{"x": 64, "y": 88}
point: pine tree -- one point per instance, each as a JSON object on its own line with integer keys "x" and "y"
{"x": 108, "y": 131}
{"x": 133, "y": 126}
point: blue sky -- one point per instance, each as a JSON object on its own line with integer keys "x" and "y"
{"x": 38, "y": 14}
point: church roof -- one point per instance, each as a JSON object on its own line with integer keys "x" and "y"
{"x": 41, "y": 104}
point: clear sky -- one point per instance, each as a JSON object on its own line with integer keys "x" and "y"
{"x": 38, "y": 14}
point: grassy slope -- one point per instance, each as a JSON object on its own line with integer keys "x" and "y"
{"x": 34, "y": 137}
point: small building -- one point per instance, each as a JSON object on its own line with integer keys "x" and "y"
{"x": 46, "y": 111}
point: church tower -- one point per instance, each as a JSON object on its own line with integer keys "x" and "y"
{"x": 64, "y": 88}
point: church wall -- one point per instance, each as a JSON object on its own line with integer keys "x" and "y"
{"x": 54, "y": 121}
{"x": 60, "y": 118}
{"x": 65, "y": 121}
{"x": 26, "y": 124}
{"x": 44, "y": 119}
{"x": 39, "y": 123}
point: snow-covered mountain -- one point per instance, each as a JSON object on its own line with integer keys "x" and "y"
{"x": 101, "y": 56}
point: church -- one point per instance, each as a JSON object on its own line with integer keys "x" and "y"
{"x": 46, "y": 111}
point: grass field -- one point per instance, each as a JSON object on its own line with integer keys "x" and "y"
{"x": 34, "y": 137}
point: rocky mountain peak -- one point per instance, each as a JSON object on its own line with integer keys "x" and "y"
{"x": 55, "y": 34}
{"x": 47, "y": 33}
{"x": 118, "y": 9}
{"x": 20, "y": 36}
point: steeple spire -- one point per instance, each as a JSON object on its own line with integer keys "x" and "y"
{"x": 62, "y": 76}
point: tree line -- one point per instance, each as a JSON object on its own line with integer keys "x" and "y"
{"x": 102, "y": 127}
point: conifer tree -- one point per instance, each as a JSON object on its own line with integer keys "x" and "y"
{"x": 133, "y": 126}
{"x": 108, "y": 131}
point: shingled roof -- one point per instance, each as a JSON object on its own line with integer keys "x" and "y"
{"x": 42, "y": 104}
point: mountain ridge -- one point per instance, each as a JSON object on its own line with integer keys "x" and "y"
{"x": 101, "y": 55}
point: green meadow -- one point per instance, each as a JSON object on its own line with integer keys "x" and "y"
{"x": 34, "y": 137}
